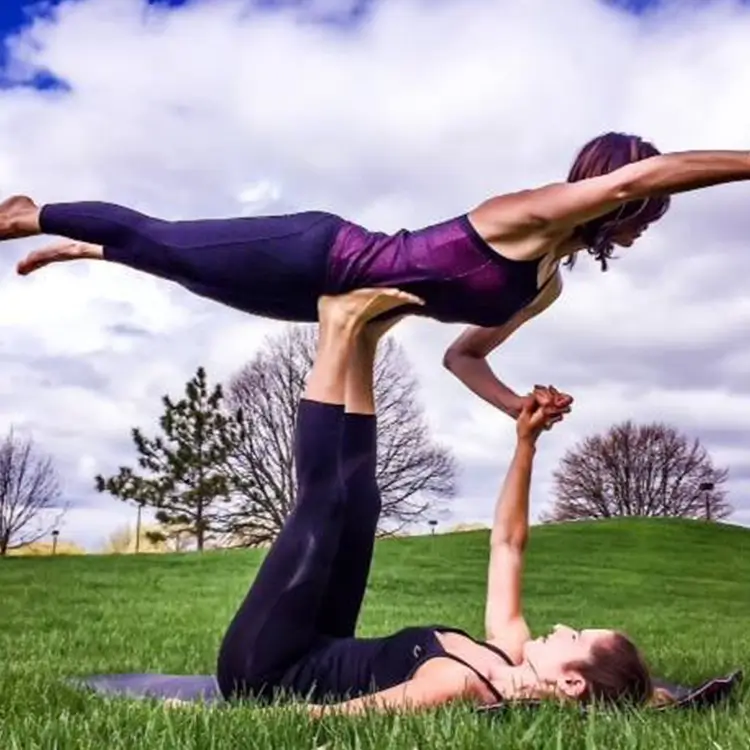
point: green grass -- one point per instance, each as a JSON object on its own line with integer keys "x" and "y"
{"x": 681, "y": 589}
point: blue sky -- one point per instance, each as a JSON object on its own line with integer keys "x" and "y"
{"x": 413, "y": 121}
{"x": 13, "y": 15}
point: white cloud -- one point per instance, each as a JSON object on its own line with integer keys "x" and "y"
{"x": 428, "y": 108}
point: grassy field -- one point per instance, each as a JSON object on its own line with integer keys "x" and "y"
{"x": 681, "y": 589}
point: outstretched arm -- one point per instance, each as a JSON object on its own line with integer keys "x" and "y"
{"x": 467, "y": 356}
{"x": 562, "y": 206}
{"x": 505, "y": 624}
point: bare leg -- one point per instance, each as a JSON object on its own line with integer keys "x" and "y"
{"x": 360, "y": 394}
{"x": 19, "y": 217}
{"x": 347, "y": 315}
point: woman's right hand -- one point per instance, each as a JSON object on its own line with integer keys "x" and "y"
{"x": 550, "y": 397}
{"x": 540, "y": 410}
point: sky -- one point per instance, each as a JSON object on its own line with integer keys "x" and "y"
{"x": 392, "y": 113}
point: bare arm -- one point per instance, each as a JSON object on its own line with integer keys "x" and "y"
{"x": 444, "y": 681}
{"x": 505, "y": 624}
{"x": 565, "y": 205}
{"x": 510, "y": 530}
{"x": 467, "y": 356}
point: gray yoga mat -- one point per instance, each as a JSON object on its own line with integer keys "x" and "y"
{"x": 203, "y": 688}
{"x": 192, "y": 688}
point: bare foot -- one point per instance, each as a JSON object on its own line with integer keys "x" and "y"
{"x": 58, "y": 253}
{"x": 19, "y": 217}
{"x": 355, "y": 309}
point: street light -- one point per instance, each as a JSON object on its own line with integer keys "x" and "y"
{"x": 138, "y": 528}
{"x": 433, "y": 524}
{"x": 55, "y": 534}
{"x": 707, "y": 487}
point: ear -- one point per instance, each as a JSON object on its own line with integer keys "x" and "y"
{"x": 571, "y": 684}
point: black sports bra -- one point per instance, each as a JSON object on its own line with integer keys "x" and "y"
{"x": 437, "y": 651}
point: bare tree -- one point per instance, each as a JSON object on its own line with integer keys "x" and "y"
{"x": 647, "y": 470}
{"x": 29, "y": 491}
{"x": 412, "y": 472}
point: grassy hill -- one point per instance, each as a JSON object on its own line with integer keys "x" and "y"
{"x": 680, "y": 588}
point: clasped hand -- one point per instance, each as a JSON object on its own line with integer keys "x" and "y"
{"x": 540, "y": 410}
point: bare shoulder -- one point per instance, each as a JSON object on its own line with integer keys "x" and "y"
{"x": 507, "y": 226}
{"x": 452, "y": 679}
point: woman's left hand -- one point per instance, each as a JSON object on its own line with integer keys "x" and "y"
{"x": 555, "y": 403}
{"x": 542, "y": 408}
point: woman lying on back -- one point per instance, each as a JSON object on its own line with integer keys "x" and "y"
{"x": 295, "y": 631}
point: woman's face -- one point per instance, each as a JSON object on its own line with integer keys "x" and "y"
{"x": 550, "y": 655}
{"x": 628, "y": 231}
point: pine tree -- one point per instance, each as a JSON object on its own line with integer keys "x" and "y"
{"x": 186, "y": 477}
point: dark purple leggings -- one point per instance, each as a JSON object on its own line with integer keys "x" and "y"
{"x": 312, "y": 582}
{"x": 274, "y": 266}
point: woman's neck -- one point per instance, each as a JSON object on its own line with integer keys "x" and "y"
{"x": 517, "y": 683}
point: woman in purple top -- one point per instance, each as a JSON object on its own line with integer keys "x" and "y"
{"x": 493, "y": 268}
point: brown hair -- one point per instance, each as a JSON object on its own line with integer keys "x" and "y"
{"x": 602, "y": 155}
{"x": 618, "y": 673}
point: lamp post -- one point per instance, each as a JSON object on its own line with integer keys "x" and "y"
{"x": 138, "y": 528}
{"x": 706, "y": 487}
{"x": 55, "y": 534}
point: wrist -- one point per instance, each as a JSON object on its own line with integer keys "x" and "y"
{"x": 526, "y": 443}
{"x": 514, "y": 408}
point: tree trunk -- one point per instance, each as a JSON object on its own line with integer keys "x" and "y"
{"x": 199, "y": 526}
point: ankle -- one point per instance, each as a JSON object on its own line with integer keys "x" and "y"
{"x": 342, "y": 329}
{"x": 27, "y": 221}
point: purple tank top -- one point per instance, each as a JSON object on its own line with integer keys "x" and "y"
{"x": 449, "y": 265}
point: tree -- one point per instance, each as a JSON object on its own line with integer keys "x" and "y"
{"x": 29, "y": 491}
{"x": 154, "y": 539}
{"x": 647, "y": 470}
{"x": 412, "y": 470}
{"x": 187, "y": 480}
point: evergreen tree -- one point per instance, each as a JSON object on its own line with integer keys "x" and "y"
{"x": 185, "y": 469}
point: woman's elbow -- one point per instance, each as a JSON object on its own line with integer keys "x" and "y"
{"x": 455, "y": 357}
{"x": 513, "y": 541}
{"x": 449, "y": 359}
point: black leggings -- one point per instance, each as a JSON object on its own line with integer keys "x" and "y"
{"x": 313, "y": 580}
